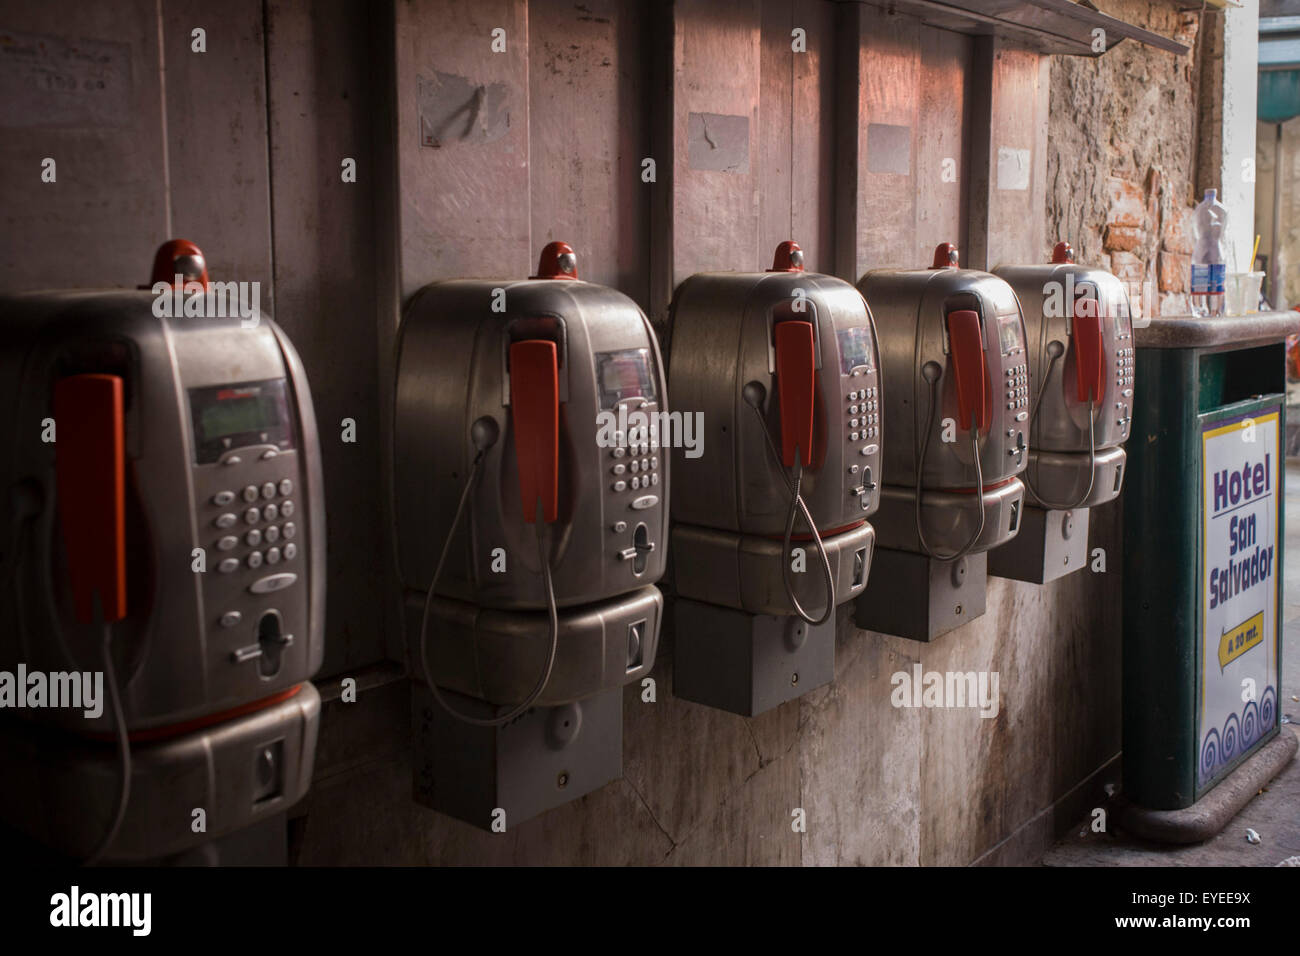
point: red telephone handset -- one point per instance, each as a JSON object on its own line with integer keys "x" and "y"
{"x": 796, "y": 376}
{"x": 535, "y": 410}
{"x": 90, "y": 474}
{"x": 966, "y": 343}
{"x": 1088, "y": 350}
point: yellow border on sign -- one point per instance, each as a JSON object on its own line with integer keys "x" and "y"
{"x": 1200, "y": 584}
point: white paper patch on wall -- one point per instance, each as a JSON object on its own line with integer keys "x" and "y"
{"x": 718, "y": 142}
{"x": 889, "y": 149}
{"x": 51, "y": 81}
{"x": 1013, "y": 168}
{"x": 457, "y": 110}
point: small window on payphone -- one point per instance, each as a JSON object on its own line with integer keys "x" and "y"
{"x": 624, "y": 374}
{"x": 1009, "y": 333}
{"x": 855, "y": 348}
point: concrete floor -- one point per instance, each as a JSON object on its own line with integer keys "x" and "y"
{"x": 1275, "y": 813}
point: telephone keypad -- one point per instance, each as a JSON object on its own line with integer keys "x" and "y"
{"x": 1124, "y": 367}
{"x": 1017, "y": 386}
{"x": 864, "y": 421}
{"x": 263, "y": 531}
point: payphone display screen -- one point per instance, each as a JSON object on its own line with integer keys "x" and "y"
{"x": 855, "y": 348}
{"x": 238, "y": 415}
{"x": 1009, "y": 333}
{"x": 1123, "y": 323}
{"x": 624, "y": 374}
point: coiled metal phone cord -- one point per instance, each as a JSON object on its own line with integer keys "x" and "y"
{"x": 932, "y": 374}
{"x": 484, "y": 438}
{"x": 1054, "y": 351}
{"x": 754, "y": 393}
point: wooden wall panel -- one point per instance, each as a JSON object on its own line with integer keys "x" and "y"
{"x": 99, "y": 223}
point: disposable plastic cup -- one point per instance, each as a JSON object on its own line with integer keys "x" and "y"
{"x": 1242, "y": 292}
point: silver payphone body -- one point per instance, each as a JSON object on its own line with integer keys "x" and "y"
{"x": 781, "y": 368}
{"x": 164, "y": 493}
{"x": 955, "y": 375}
{"x": 1081, "y": 364}
{"x": 531, "y": 508}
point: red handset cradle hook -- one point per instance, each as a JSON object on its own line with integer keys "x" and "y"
{"x": 535, "y": 411}
{"x": 90, "y": 475}
{"x": 796, "y": 378}
{"x": 966, "y": 343}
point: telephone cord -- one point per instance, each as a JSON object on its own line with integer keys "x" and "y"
{"x": 123, "y": 738}
{"x": 123, "y": 744}
{"x": 1092, "y": 444}
{"x": 920, "y": 474}
{"x": 797, "y": 504}
{"x": 536, "y": 692}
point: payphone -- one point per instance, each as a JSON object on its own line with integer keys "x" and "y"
{"x": 781, "y": 367}
{"x": 531, "y": 508}
{"x": 167, "y": 539}
{"x": 1081, "y": 363}
{"x": 955, "y": 373}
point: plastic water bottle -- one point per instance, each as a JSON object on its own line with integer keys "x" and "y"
{"x": 1209, "y": 269}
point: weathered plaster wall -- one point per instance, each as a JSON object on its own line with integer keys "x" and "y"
{"x": 1121, "y": 157}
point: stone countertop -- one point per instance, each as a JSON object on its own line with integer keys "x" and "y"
{"x": 1242, "y": 331}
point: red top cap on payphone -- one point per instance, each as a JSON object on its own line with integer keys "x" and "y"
{"x": 558, "y": 261}
{"x": 788, "y": 258}
{"x": 1062, "y": 253}
{"x": 179, "y": 257}
{"x": 945, "y": 256}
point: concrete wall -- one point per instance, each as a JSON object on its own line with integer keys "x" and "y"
{"x": 468, "y": 162}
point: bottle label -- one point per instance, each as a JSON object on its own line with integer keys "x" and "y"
{"x": 1209, "y": 279}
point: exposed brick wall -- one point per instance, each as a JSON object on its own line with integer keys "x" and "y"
{"x": 1121, "y": 156}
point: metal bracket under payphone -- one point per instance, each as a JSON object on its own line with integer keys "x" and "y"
{"x": 1050, "y": 545}
{"x": 548, "y": 756}
{"x": 748, "y": 663}
{"x": 954, "y": 593}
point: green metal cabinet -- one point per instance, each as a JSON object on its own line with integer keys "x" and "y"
{"x": 1203, "y": 522}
